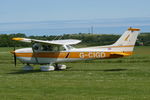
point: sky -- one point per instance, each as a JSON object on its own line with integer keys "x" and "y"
{"x": 56, "y": 16}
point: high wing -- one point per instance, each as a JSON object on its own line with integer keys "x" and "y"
{"x": 55, "y": 42}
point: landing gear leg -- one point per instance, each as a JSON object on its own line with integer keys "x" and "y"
{"x": 56, "y": 67}
{"x": 27, "y": 68}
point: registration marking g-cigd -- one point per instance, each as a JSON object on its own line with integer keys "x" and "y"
{"x": 92, "y": 55}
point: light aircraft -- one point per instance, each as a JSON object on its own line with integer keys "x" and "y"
{"x": 49, "y": 54}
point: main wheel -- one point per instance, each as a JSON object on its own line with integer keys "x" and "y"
{"x": 60, "y": 67}
{"x": 47, "y": 68}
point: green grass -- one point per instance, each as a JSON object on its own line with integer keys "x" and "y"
{"x": 108, "y": 79}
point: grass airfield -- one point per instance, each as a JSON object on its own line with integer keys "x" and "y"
{"x": 109, "y": 79}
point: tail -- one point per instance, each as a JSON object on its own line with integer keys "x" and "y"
{"x": 127, "y": 41}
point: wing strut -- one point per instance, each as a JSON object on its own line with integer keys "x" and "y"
{"x": 34, "y": 53}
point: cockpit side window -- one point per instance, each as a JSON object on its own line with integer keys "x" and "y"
{"x": 43, "y": 47}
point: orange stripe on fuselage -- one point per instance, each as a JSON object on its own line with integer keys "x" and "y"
{"x": 85, "y": 55}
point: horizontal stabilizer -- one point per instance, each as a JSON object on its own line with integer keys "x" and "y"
{"x": 120, "y": 54}
{"x": 133, "y": 29}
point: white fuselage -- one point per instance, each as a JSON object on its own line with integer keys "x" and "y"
{"x": 26, "y": 55}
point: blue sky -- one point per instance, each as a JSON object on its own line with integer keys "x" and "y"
{"x": 19, "y": 15}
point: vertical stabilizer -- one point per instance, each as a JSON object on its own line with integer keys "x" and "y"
{"x": 127, "y": 41}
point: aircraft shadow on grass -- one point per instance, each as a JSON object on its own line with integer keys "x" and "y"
{"x": 68, "y": 69}
{"x": 103, "y": 70}
{"x": 24, "y": 72}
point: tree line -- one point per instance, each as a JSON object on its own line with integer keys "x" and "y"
{"x": 87, "y": 39}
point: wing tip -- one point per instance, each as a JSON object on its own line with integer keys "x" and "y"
{"x": 17, "y": 39}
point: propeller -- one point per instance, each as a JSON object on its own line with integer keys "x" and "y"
{"x": 15, "y": 60}
{"x": 14, "y": 53}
